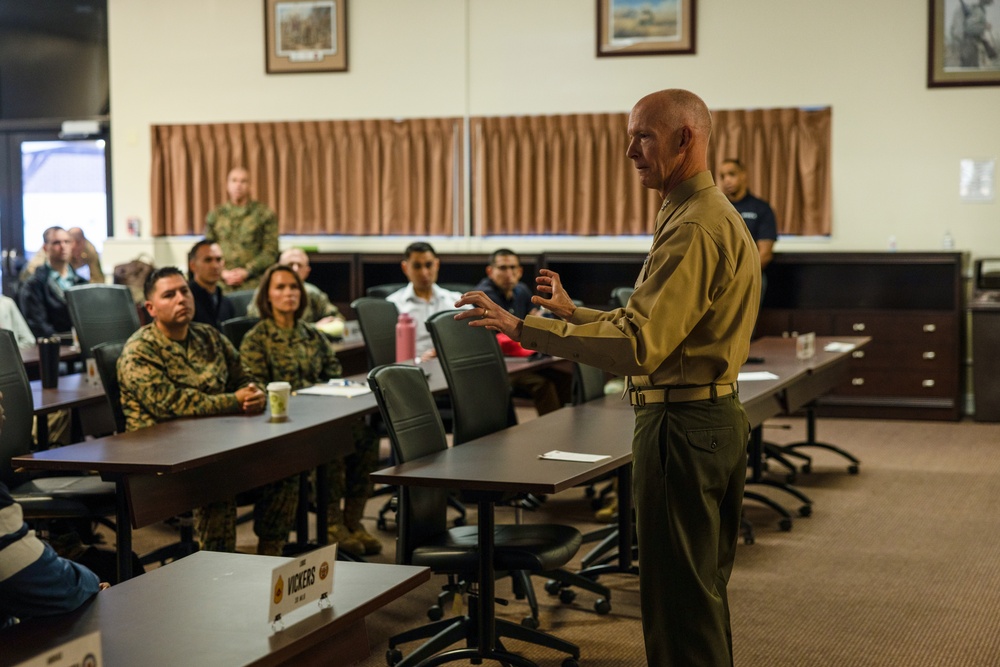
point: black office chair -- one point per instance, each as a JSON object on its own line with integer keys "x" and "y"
{"x": 377, "y": 320}
{"x": 620, "y": 296}
{"x": 101, "y": 314}
{"x": 241, "y": 300}
{"x": 415, "y": 430}
{"x": 461, "y": 288}
{"x": 237, "y": 327}
{"x": 106, "y": 357}
{"x": 481, "y": 397}
{"x": 41, "y": 498}
{"x": 382, "y": 291}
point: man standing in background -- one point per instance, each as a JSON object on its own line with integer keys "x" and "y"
{"x": 247, "y": 232}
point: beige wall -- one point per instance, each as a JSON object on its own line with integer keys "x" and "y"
{"x": 896, "y": 143}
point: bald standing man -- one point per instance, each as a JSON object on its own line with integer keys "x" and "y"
{"x": 681, "y": 341}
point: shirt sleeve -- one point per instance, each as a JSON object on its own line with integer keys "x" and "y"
{"x": 767, "y": 226}
{"x": 149, "y": 395}
{"x": 662, "y": 312}
{"x": 268, "y": 246}
{"x": 49, "y": 585}
{"x": 253, "y": 354}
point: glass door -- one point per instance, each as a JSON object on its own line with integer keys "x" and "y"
{"x": 50, "y": 181}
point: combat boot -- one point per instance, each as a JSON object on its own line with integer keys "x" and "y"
{"x": 337, "y": 532}
{"x": 354, "y": 509}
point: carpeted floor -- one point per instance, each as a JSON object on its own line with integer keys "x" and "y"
{"x": 896, "y": 566}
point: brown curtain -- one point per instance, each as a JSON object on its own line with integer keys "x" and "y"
{"x": 569, "y": 174}
{"x": 787, "y": 156}
{"x": 356, "y": 177}
{"x": 556, "y": 175}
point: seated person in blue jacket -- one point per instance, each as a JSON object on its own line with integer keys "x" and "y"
{"x": 34, "y": 581}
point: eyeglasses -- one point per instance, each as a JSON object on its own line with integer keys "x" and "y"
{"x": 418, "y": 266}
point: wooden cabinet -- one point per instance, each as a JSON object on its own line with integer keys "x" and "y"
{"x": 912, "y": 306}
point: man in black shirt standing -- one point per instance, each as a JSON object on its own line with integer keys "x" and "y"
{"x": 205, "y": 264}
{"x": 756, "y": 213}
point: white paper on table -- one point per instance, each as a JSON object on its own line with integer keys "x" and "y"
{"x": 336, "y": 388}
{"x": 839, "y": 347}
{"x": 750, "y": 376}
{"x": 556, "y": 455}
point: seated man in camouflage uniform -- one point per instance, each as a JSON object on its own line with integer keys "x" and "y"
{"x": 178, "y": 368}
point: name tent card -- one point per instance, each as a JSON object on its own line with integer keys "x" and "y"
{"x": 303, "y": 580}
{"x": 805, "y": 345}
{"x": 80, "y": 652}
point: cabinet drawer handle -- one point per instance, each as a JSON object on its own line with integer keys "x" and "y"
{"x": 929, "y": 355}
{"x": 930, "y": 328}
{"x": 927, "y": 384}
{"x": 857, "y": 382}
{"x": 858, "y": 354}
{"x": 860, "y": 326}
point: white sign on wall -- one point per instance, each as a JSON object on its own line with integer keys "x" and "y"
{"x": 977, "y": 182}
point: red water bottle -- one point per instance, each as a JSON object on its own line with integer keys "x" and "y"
{"x": 406, "y": 338}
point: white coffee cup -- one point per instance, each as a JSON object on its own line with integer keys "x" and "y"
{"x": 277, "y": 398}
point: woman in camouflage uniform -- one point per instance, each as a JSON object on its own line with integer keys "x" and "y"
{"x": 283, "y": 348}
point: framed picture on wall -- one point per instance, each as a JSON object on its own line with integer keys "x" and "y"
{"x": 305, "y": 35}
{"x": 964, "y": 43}
{"x": 645, "y": 27}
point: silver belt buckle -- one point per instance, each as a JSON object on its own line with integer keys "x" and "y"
{"x": 640, "y": 398}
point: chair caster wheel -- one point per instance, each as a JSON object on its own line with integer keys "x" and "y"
{"x": 806, "y": 469}
{"x": 566, "y": 595}
{"x": 459, "y": 521}
{"x": 530, "y": 622}
{"x": 785, "y": 525}
{"x": 570, "y": 662}
{"x": 435, "y": 613}
{"x": 602, "y": 606}
{"x": 393, "y": 656}
{"x": 805, "y": 510}
{"x": 748, "y": 540}
{"x": 853, "y": 469}
{"x": 552, "y": 587}
{"x": 381, "y": 524}
{"x": 790, "y": 478}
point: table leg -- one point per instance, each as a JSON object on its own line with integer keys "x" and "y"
{"x": 42, "y": 431}
{"x": 487, "y": 579}
{"x": 123, "y": 528}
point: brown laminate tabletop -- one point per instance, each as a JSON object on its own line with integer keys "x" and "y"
{"x": 211, "y": 609}
{"x": 72, "y": 392}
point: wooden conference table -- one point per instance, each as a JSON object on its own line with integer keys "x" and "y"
{"x": 72, "y": 392}
{"x": 212, "y": 609}
{"x": 490, "y": 468}
{"x": 178, "y": 465}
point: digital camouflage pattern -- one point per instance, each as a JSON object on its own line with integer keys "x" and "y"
{"x": 248, "y": 236}
{"x": 302, "y": 356}
{"x": 161, "y": 380}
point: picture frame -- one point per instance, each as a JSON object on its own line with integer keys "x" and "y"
{"x": 305, "y": 36}
{"x": 963, "y": 44}
{"x": 646, "y": 27}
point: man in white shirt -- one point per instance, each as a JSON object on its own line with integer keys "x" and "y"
{"x": 422, "y": 297}
{"x": 12, "y": 320}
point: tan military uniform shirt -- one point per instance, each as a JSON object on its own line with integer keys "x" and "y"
{"x": 248, "y": 236}
{"x": 690, "y": 318}
{"x": 300, "y": 356}
{"x": 162, "y": 379}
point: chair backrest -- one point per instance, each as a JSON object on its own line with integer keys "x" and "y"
{"x": 106, "y": 357}
{"x": 415, "y": 429}
{"x": 101, "y": 314}
{"x": 588, "y": 383}
{"x": 382, "y": 291}
{"x": 377, "y": 319}
{"x": 620, "y": 296}
{"x": 18, "y": 404}
{"x": 477, "y": 376}
{"x": 236, "y": 328}
{"x": 241, "y": 300}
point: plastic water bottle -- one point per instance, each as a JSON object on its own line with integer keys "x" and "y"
{"x": 406, "y": 338}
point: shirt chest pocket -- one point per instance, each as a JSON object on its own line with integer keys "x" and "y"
{"x": 712, "y": 439}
